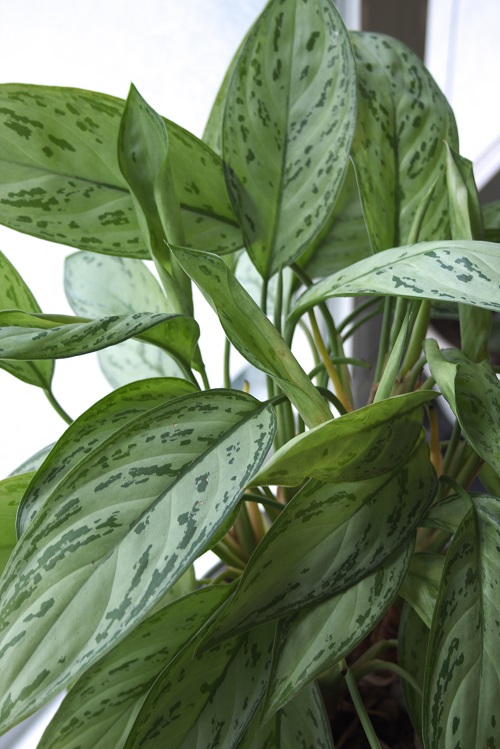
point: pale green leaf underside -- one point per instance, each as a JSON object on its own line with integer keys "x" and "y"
{"x": 462, "y": 680}
{"x": 421, "y": 584}
{"x": 146, "y": 501}
{"x": 454, "y": 271}
{"x": 11, "y": 493}
{"x": 288, "y": 124}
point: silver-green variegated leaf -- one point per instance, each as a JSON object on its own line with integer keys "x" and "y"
{"x": 206, "y": 699}
{"x": 448, "y": 513}
{"x": 302, "y": 724}
{"x": 421, "y": 584}
{"x": 358, "y": 445}
{"x": 145, "y": 502}
{"x": 251, "y": 333}
{"x": 327, "y": 539}
{"x": 413, "y": 639}
{"x": 33, "y": 462}
{"x": 14, "y": 293}
{"x": 317, "y": 638}
{"x": 101, "y": 707}
{"x": 398, "y": 149}
{"x": 473, "y": 391}
{"x": 288, "y": 124}
{"x": 11, "y": 493}
{"x": 453, "y": 271}
{"x": 462, "y": 676}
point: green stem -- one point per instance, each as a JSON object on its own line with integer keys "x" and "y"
{"x": 452, "y": 447}
{"x": 358, "y": 704}
{"x": 57, "y": 407}
{"x": 332, "y": 372}
{"x": 358, "y": 311}
{"x": 378, "y": 664}
{"x": 228, "y": 556}
{"x": 264, "y": 501}
{"x": 359, "y": 323}
{"x": 278, "y": 303}
{"x": 227, "y": 358}
{"x": 418, "y": 333}
{"x": 384, "y": 338}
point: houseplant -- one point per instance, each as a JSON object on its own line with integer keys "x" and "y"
{"x": 332, "y": 158}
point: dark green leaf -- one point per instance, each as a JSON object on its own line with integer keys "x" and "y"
{"x": 11, "y": 493}
{"x": 288, "y": 124}
{"x": 413, "y": 639}
{"x": 421, "y": 584}
{"x": 448, "y": 513}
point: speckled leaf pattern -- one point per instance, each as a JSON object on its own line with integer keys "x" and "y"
{"x": 448, "y": 513}
{"x": 413, "y": 640}
{"x": 398, "y": 149}
{"x": 421, "y": 584}
{"x": 252, "y": 334}
{"x": 100, "y": 285}
{"x": 11, "y": 493}
{"x": 145, "y": 502}
{"x": 302, "y": 724}
{"x": 462, "y": 679}
{"x": 101, "y": 707}
{"x": 24, "y": 336}
{"x": 288, "y": 124}
{"x": 327, "y": 539}
{"x": 206, "y": 699}
{"x": 316, "y": 639}
{"x": 15, "y": 294}
{"x": 359, "y": 445}
{"x": 453, "y": 271}
{"x": 473, "y": 391}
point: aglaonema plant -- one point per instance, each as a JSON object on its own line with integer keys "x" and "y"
{"x": 329, "y": 168}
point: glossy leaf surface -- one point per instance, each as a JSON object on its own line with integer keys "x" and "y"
{"x": 364, "y": 443}
{"x": 458, "y": 271}
{"x": 101, "y": 707}
{"x": 328, "y": 538}
{"x": 421, "y": 584}
{"x": 462, "y": 680}
{"x": 288, "y": 124}
{"x": 316, "y": 639}
{"x": 398, "y": 149}
{"x": 145, "y": 502}
{"x": 11, "y": 493}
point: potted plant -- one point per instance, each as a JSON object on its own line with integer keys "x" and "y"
{"x": 329, "y": 168}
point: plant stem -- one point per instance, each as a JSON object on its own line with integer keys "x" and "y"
{"x": 377, "y": 664}
{"x": 57, "y": 407}
{"x": 384, "y": 338}
{"x": 227, "y": 555}
{"x": 264, "y": 501}
{"x": 358, "y": 704}
{"x": 357, "y": 311}
{"x": 227, "y": 357}
{"x": 332, "y": 372}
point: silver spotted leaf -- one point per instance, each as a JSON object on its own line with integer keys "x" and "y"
{"x": 101, "y": 707}
{"x": 421, "y": 584}
{"x": 11, "y": 493}
{"x": 327, "y": 539}
{"x": 462, "y": 674}
{"x": 413, "y": 640}
{"x": 116, "y": 532}
{"x": 289, "y": 119}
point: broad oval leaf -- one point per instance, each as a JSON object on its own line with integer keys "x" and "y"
{"x": 206, "y": 698}
{"x": 288, "y": 124}
{"x": 146, "y": 502}
{"x": 101, "y": 707}
{"x": 11, "y": 494}
{"x": 358, "y": 445}
{"x": 398, "y": 149}
{"x": 317, "y": 638}
{"x": 454, "y": 271}
{"x": 421, "y": 584}
{"x": 327, "y": 539}
{"x": 462, "y": 675}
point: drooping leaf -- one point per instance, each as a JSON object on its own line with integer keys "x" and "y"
{"x": 473, "y": 392}
{"x": 11, "y": 493}
{"x": 398, "y": 149}
{"x": 145, "y": 502}
{"x": 361, "y": 444}
{"x": 14, "y": 293}
{"x": 462, "y": 679}
{"x": 448, "y": 513}
{"x": 206, "y": 699}
{"x": 302, "y": 724}
{"x": 101, "y": 707}
{"x": 421, "y": 584}
{"x": 252, "y": 334}
{"x": 309, "y": 643}
{"x": 454, "y": 271}
{"x": 288, "y": 124}
{"x": 327, "y": 539}
{"x": 413, "y": 639}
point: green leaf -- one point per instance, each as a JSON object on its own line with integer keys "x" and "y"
{"x": 327, "y": 539}
{"x": 448, "y": 513}
{"x": 491, "y": 220}
{"x": 145, "y": 502}
{"x": 454, "y": 271}
{"x": 206, "y": 699}
{"x": 421, "y": 584}
{"x": 288, "y": 124}
{"x": 33, "y": 462}
{"x": 358, "y": 445}
{"x": 101, "y": 707}
{"x": 473, "y": 391}
{"x": 462, "y": 679}
{"x": 398, "y": 149}
{"x": 413, "y": 639}
{"x": 11, "y": 493}
{"x": 15, "y": 293}
{"x": 251, "y": 333}
{"x": 24, "y": 336}
{"x": 302, "y": 724}
{"x": 317, "y": 638}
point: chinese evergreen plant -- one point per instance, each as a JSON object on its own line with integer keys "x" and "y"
{"x": 329, "y": 168}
